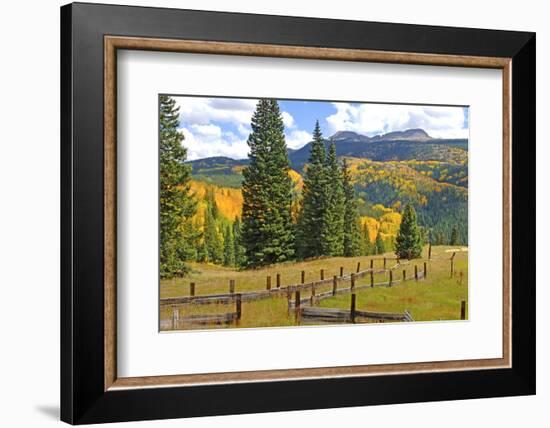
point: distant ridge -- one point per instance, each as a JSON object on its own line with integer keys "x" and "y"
{"x": 415, "y": 134}
{"x": 410, "y": 144}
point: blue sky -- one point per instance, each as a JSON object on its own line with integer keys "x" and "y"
{"x": 220, "y": 126}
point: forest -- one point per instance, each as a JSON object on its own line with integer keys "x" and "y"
{"x": 278, "y": 206}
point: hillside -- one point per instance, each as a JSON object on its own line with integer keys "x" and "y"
{"x": 439, "y": 204}
{"x": 412, "y": 144}
{"x": 388, "y": 171}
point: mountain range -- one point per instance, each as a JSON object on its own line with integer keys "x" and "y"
{"x": 411, "y": 144}
{"x": 388, "y": 171}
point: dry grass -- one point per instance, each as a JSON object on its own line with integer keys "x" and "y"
{"x": 437, "y": 297}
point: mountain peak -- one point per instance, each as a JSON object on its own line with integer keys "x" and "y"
{"x": 348, "y": 135}
{"x": 415, "y": 134}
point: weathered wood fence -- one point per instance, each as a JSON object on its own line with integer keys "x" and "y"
{"x": 177, "y": 322}
{"x": 333, "y": 315}
{"x": 301, "y": 297}
{"x": 281, "y": 291}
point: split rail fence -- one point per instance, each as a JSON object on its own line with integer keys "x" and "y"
{"x": 296, "y": 295}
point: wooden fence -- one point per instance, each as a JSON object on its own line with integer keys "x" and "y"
{"x": 298, "y": 300}
{"x": 284, "y": 290}
{"x": 333, "y": 315}
{"x": 178, "y": 323}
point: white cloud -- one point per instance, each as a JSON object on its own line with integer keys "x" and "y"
{"x": 204, "y": 123}
{"x": 202, "y": 111}
{"x": 373, "y": 119}
{"x": 297, "y": 138}
{"x": 288, "y": 120}
{"x": 244, "y": 130}
{"x": 203, "y": 141}
{"x": 207, "y": 131}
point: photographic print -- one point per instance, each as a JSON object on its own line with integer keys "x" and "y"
{"x": 280, "y": 213}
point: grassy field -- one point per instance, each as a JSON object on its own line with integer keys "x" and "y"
{"x": 437, "y": 297}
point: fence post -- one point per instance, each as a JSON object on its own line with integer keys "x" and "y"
{"x": 358, "y": 267}
{"x": 453, "y": 264}
{"x": 415, "y": 272}
{"x": 334, "y": 285}
{"x": 341, "y": 270}
{"x": 278, "y": 280}
{"x": 391, "y": 277}
{"x": 175, "y": 319}
{"x": 404, "y": 275}
{"x": 312, "y": 294}
{"x": 268, "y": 283}
{"x": 288, "y": 299}
{"x": 303, "y": 276}
{"x": 322, "y": 274}
{"x": 231, "y": 286}
{"x": 384, "y": 263}
{"x": 297, "y": 309}
{"x": 463, "y": 310}
{"x": 430, "y": 251}
{"x": 352, "y": 282}
{"x": 192, "y": 289}
{"x": 352, "y": 309}
{"x": 238, "y": 307}
{"x": 372, "y": 263}
{"x": 425, "y": 270}
{"x": 371, "y": 278}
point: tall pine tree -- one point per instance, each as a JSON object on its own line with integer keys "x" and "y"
{"x": 454, "y": 240}
{"x": 212, "y": 239}
{"x": 352, "y": 245}
{"x": 408, "y": 244}
{"x": 228, "y": 246}
{"x": 176, "y": 205}
{"x": 333, "y": 244}
{"x": 267, "y": 230}
{"x": 239, "y": 249}
{"x": 312, "y": 233}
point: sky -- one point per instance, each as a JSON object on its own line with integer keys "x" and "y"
{"x": 220, "y": 126}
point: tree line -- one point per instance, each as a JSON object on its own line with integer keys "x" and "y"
{"x": 271, "y": 229}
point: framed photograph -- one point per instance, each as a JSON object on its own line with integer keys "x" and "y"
{"x": 265, "y": 213}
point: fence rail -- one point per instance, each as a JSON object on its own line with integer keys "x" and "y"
{"x": 302, "y": 306}
{"x": 334, "y": 315}
{"x": 315, "y": 298}
{"x": 281, "y": 290}
{"x": 177, "y": 322}
{"x": 343, "y": 315}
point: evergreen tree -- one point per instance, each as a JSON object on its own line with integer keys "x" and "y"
{"x": 409, "y": 240}
{"x": 333, "y": 244}
{"x": 267, "y": 230}
{"x": 176, "y": 205}
{"x": 351, "y": 240}
{"x": 439, "y": 238}
{"x": 202, "y": 252}
{"x": 380, "y": 248}
{"x": 312, "y": 231}
{"x": 228, "y": 247}
{"x": 212, "y": 240}
{"x": 192, "y": 235}
{"x": 454, "y": 236}
{"x": 239, "y": 249}
{"x": 210, "y": 199}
